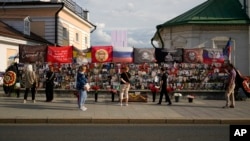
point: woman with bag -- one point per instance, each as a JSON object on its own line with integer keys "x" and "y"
{"x": 125, "y": 85}
{"x": 30, "y": 83}
{"x": 81, "y": 82}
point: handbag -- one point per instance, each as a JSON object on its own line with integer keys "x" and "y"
{"x": 17, "y": 85}
{"x": 87, "y": 86}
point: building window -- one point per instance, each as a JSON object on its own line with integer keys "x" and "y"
{"x": 77, "y": 37}
{"x": 86, "y": 40}
{"x": 26, "y": 26}
{"x": 65, "y": 33}
{"x": 220, "y": 44}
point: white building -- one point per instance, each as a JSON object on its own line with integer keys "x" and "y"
{"x": 210, "y": 25}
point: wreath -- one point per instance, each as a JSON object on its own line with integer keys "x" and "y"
{"x": 9, "y": 78}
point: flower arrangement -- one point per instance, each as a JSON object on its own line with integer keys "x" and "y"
{"x": 95, "y": 88}
{"x": 178, "y": 94}
{"x": 190, "y": 96}
{"x": 153, "y": 88}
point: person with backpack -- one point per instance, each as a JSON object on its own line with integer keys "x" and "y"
{"x": 163, "y": 87}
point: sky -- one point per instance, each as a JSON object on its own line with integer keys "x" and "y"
{"x": 138, "y": 18}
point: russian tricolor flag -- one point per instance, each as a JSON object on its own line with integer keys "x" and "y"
{"x": 123, "y": 54}
{"x": 227, "y": 48}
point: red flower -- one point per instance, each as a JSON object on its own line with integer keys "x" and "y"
{"x": 96, "y": 88}
{"x": 113, "y": 91}
{"x": 153, "y": 88}
{"x": 190, "y": 96}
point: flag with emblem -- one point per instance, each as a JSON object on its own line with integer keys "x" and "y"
{"x": 101, "y": 54}
{"x": 213, "y": 56}
{"x": 193, "y": 55}
{"x": 144, "y": 55}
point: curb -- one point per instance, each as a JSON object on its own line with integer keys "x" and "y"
{"x": 124, "y": 121}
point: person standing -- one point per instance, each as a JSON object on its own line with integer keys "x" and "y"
{"x": 81, "y": 81}
{"x": 125, "y": 85}
{"x": 18, "y": 81}
{"x": 229, "y": 94}
{"x": 163, "y": 87}
{"x": 30, "y": 83}
{"x": 49, "y": 88}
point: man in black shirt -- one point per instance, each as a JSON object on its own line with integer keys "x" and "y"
{"x": 49, "y": 89}
{"x": 163, "y": 87}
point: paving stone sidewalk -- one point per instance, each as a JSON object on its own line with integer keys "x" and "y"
{"x": 65, "y": 110}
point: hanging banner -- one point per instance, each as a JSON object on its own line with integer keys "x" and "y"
{"x": 32, "y": 53}
{"x": 81, "y": 56}
{"x": 169, "y": 56}
{"x": 193, "y": 55}
{"x": 213, "y": 56}
{"x": 123, "y": 54}
{"x": 60, "y": 54}
{"x": 144, "y": 55}
{"x": 101, "y": 54}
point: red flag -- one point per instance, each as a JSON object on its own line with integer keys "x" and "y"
{"x": 194, "y": 55}
{"x": 60, "y": 54}
{"x": 101, "y": 54}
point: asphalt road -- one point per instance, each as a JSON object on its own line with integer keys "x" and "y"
{"x": 113, "y": 132}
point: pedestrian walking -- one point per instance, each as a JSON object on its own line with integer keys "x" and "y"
{"x": 229, "y": 94}
{"x": 163, "y": 87}
{"x": 30, "y": 83}
{"x": 81, "y": 83}
{"x": 49, "y": 88}
{"x": 125, "y": 84}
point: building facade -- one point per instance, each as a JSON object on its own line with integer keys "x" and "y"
{"x": 60, "y": 22}
{"x": 210, "y": 25}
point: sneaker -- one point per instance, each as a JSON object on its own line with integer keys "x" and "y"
{"x": 34, "y": 101}
{"x": 24, "y": 101}
{"x": 231, "y": 106}
{"x": 126, "y": 104}
{"x": 83, "y": 108}
{"x": 120, "y": 104}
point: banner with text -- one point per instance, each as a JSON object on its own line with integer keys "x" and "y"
{"x": 32, "y": 53}
{"x": 60, "y": 54}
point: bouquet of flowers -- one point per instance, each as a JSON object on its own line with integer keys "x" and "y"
{"x": 95, "y": 88}
{"x": 190, "y": 96}
{"x": 178, "y": 94}
{"x": 153, "y": 88}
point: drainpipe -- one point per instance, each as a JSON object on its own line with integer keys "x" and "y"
{"x": 56, "y": 24}
{"x": 159, "y": 35}
{"x": 93, "y": 29}
{"x": 245, "y": 6}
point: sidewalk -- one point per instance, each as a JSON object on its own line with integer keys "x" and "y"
{"x": 65, "y": 110}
